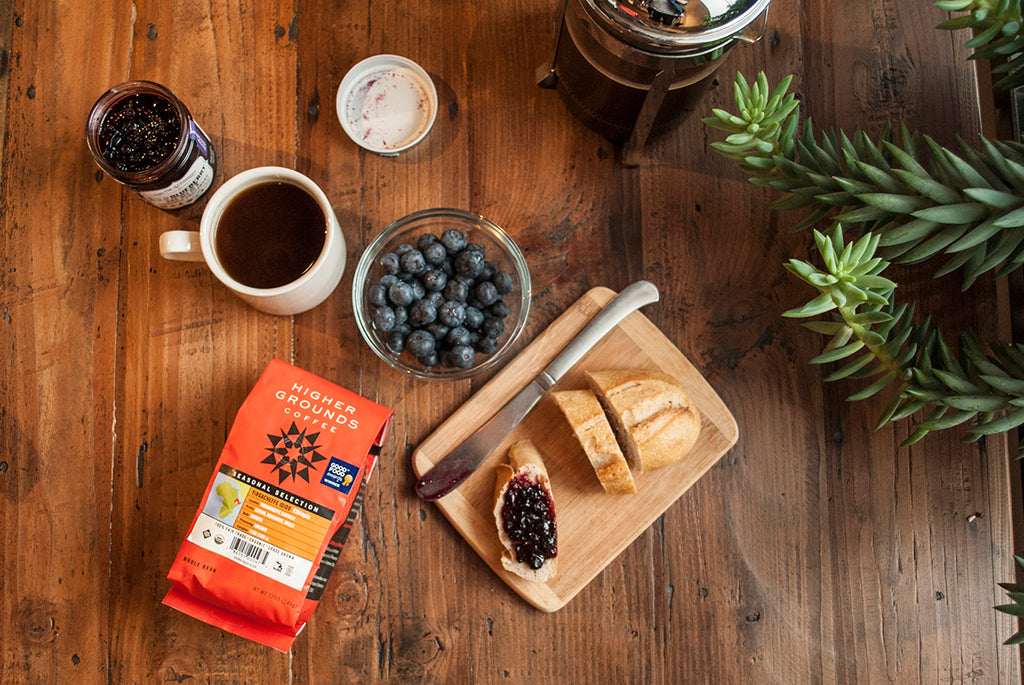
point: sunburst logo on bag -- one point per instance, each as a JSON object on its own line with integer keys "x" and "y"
{"x": 293, "y": 454}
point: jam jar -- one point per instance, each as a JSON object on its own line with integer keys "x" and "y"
{"x": 143, "y": 136}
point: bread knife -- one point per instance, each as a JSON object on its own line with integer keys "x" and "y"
{"x": 460, "y": 463}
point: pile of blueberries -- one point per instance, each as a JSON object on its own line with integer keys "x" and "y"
{"x": 440, "y": 300}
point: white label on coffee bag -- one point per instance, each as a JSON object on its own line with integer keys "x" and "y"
{"x": 259, "y": 555}
{"x": 261, "y": 526}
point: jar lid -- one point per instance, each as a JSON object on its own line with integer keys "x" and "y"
{"x": 668, "y": 24}
{"x": 386, "y": 104}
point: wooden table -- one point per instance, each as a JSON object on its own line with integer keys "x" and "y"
{"x": 815, "y": 551}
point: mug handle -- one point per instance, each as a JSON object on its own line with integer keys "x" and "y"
{"x": 181, "y": 246}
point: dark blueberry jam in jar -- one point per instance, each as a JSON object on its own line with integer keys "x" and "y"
{"x": 529, "y": 520}
{"x": 143, "y": 136}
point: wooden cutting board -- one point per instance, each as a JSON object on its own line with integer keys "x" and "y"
{"x": 593, "y": 527}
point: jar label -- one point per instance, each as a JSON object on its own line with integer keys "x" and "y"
{"x": 185, "y": 190}
{"x": 196, "y": 133}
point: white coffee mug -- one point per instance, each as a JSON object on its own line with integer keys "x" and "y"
{"x": 302, "y": 294}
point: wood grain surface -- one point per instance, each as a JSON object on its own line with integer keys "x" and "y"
{"x": 817, "y": 550}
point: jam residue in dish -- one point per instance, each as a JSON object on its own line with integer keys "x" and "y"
{"x": 528, "y": 518}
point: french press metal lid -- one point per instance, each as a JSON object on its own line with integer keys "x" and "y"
{"x": 679, "y": 25}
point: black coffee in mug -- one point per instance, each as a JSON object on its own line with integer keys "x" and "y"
{"x": 270, "y": 234}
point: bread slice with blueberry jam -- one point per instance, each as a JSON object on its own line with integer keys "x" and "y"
{"x": 524, "y": 511}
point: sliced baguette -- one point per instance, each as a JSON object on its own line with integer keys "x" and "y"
{"x": 590, "y": 425}
{"x": 651, "y": 414}
{"x": 526, "y": 461}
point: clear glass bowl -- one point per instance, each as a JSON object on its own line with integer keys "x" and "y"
{"x": 500, "y": 249}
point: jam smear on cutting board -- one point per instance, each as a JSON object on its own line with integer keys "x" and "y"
{"x": 528, "y": 518}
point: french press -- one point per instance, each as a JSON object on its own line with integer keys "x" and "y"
{"x": 630, "y": 69}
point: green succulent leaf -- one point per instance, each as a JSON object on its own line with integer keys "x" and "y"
{"x": 975, "y": 403}
{"x": 897, "y": 204}
{"x": 819, "y": 305}
{"x": 948, "y": 420}
{"x": 994, "y": 198}
{"x": 874, "y": 388}
{"x": 1012, "y": 609}
{"x": 1007, "y": 422}
{"x": 1005, "y": 384}
{"x": 959, "y": 213}
{"x": 1012, "y": 219}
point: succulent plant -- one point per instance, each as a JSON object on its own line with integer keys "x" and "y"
{"x": 883, "y": 343}
{"x": 996, "y": 25}
{"x": 1014, "y": 591}
{"x": 909, "y": 208}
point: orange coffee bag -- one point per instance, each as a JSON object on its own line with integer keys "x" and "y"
{"x": 278, "y": 509}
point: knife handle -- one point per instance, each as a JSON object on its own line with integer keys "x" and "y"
{"x": 630, "y": 299}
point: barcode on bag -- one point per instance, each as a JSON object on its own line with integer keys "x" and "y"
{"x": 249, "y": 550}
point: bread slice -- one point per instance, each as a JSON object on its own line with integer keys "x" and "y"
{"x": 651, "y": 414}
{"x": 522, "y": 496}
{"x": 588, "y": 421}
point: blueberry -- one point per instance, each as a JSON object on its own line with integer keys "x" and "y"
{"x": 469, "y": 263}
{"x": 400, "y": 294}
{"x": 430, "y": 360}
{"x": 488, "y": 271}
{"x": 413, "y": 262}
{"x": 390, "y": 263}
{"x": 387, "y": 279}
{"x": 462, "y": 356}
{"x": 434, "y": 280}
{"x": 451, "y": 313}
{"x": 418, "y": 291}
{"x": 425, "y": 240}
{"x": 403, "y": 248}
{"x": 384, "y": 318}
{"x": 401, "y": 315}
{"x": 435, "y": 254}
{"x": 456, "y": 290}
{"x": 376, "y": 295}
{"x": 421, "y": 313}
{"x": 498, "y": 309}
{"x": 453, "y": 240}
{"x": 493, "y": 326}
{"x": 458, "y": 335}
{"x": 486, "y": 293}
{"x": 503, "y": 282}
{"x": 438, "y": 330}
{"x": 396, "y": 342}
{"x": 487, "y": 345}
{"x": 436, "y": 299}
{"x": 420, "y": 343}
{"x": 474, "y": 318}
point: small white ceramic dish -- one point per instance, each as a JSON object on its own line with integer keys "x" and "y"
{"x": 386, "y": 104}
